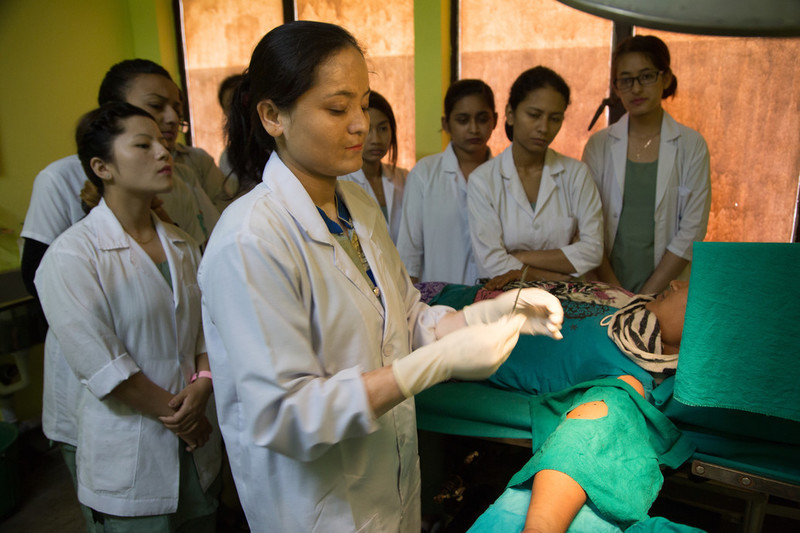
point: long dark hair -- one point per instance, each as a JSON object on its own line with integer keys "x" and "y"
{"x": 377, "y": 101}
{"x": 653, "y": 49}
{"x": 282, "y": 68}
{"x": 531, "y": 80}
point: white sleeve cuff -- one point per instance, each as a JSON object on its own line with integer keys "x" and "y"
{"x": 111, "y": 375}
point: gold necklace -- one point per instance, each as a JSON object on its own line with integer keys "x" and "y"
{"x": 646, "y": 144}
{"x": 141, "y": 242}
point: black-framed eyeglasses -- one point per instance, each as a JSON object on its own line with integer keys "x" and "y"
{"x": 645, "y": 78}
{"x": 184, "y": 126}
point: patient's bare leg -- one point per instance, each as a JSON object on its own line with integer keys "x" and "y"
{"x": 556, "y": 498}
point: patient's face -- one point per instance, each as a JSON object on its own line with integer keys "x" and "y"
{"x": 670, "y": 310}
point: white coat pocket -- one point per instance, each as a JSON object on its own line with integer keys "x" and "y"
{"x": 108, "y": 443}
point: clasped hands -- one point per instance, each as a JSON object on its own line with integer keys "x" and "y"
{"x": 189, "y": 421}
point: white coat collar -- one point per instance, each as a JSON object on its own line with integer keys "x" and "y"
{"x": 450, "y": 161}
{"x": 365, "y": 218}
{"x": 551, "y": 173}
{"x": 388, "y": 183}
{"x": 111, "y": 236}
{"x": 669, "y": 128}
{"x": 291, "y": 194}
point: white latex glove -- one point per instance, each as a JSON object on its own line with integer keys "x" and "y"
{"x": 472, "y": 353}
{"x": 541, "y": 309}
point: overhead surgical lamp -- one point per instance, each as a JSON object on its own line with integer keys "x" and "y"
{"x": 738, "y": 18}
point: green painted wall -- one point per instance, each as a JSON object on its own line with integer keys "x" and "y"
{"x": 54, "y": 56}
{"x": 431, "y": 72}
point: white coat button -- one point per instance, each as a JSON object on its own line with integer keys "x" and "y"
{"x": 536, "y": 226}
{"x": 388, "y": 351}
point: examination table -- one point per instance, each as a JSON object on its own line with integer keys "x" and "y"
{"x": 735, "y": 396}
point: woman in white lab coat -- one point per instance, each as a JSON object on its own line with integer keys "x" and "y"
{"x": 120, "y": 295}
{"x": 533, "y": 211}
{"x": 384, "y": 182}
{"x": 652, "y": 173}
{"x": 434, "y": 233}
{"x": 309, "y": 314}
{"x": 55, "y": 205}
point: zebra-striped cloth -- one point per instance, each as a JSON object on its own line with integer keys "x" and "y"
{"x": 635, "y": 331}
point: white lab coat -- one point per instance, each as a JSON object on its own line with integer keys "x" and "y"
{"x": 393, "y": 185}
{"x": 683, "y": 184}
{"x": 112, "y": 314}
{"x": 501, "y": 218}
{"x": 291, "y": 324}
{"x": 54, "y": 206}
{"x": 434, "y": 241}
{"x": 55, "y": 201}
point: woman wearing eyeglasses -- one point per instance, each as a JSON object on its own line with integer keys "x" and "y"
{"x": 652, "y": 174}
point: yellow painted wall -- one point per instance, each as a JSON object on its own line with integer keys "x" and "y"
{"x": 54, "y": 56}
{"x": 431, "y": 72}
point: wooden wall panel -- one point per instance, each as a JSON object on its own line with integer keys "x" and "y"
{"x": 219, "y": 38}
{"x": 497, "y": 44}
{"x": 385, "y": 28}
{"x": 743, "y": 96}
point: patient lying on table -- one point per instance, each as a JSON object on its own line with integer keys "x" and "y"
{"x": 606, "y": 441}
{"x": 609, "y": 423}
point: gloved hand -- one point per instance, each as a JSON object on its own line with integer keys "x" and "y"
{"x": 473, "y": 352}
{"x": 541, "y": 309}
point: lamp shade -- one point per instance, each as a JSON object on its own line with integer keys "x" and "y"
{"x": 741, "y": 18}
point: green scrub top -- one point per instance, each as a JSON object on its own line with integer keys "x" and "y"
{"x": 632, "y": 255}
{"x": 164, "y": 269}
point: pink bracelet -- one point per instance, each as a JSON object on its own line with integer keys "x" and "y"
{"x": 201, "y": 374}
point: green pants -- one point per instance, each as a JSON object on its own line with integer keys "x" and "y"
{"x": 197, "y": 510}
